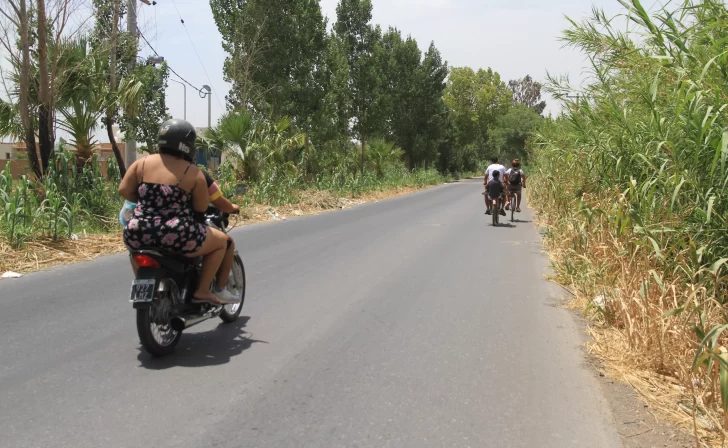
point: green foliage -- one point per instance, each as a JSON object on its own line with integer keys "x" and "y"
{"x": 511, "y": 132}
{"x": 143, "y": 93}
{"x": 364, "y": 53}
{"x": 280, "y": 46}
{"x": 64, "y": 202}
{"x": 476, "y": 100}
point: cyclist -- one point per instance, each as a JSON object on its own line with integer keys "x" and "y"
{"x": 515, "y": 180}
{"x": 494, "y": 167}
{"x": 494, "y": 190}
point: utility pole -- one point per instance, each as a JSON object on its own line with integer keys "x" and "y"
{"x": 131, "y": 27}
{"x": 578, "y": 99}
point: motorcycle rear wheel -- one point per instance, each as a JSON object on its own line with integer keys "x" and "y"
{"x": 154, "y": 322}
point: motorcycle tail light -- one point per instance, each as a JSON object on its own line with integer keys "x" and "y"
{"x": 145, "y": 261}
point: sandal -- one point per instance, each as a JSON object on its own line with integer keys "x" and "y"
{"x": 212, "y": 300}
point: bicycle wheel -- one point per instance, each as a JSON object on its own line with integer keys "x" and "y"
{"x": 494, "y": 212}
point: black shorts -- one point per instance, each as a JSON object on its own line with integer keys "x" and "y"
{"x": 515, "y": 189}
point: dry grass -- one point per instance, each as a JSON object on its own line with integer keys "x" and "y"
{"x": 42, "y": 254}
{"x": 45, "y": 253}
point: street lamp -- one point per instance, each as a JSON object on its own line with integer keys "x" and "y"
{"x": 185, "y": 88}
{"x": 209, "y": 104}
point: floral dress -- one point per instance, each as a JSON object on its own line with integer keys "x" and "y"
{"x": 163, "y": 219}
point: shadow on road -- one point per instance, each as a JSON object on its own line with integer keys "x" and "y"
{"x": 209, "y": 348}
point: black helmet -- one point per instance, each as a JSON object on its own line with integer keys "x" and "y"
{"x": 177, "y": 137}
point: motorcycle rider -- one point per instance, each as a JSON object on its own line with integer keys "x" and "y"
{"x": 221, "y": 203}
{"x": 169, "y": 189}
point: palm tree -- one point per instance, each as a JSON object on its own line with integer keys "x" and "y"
{"x": 10, "y": 124}
{"x": 85, "y": 96}
{"x": 381, "y": 154}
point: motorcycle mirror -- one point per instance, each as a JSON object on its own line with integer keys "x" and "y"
{"x": 241, "y": 189}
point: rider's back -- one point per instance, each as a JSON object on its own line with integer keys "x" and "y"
{"x": 169, "y": 171}
{"x": 495, "y": 167}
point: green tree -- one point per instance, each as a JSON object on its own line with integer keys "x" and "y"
{"x": 511, "y": 131}
{"x": 402, "y": 80}
{"x": 276, "y": 49}
{"x": 432, "y": 121}
{"x": 142, "y": 91}
{"x": 476, "y": 100}
{"x": 363, "y": 44}
{"x": 332, "y": 122}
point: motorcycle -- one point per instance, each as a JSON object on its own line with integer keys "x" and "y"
{"x": 162, "y": 293}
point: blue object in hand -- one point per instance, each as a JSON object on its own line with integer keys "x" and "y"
{"x": 126, "y": 212}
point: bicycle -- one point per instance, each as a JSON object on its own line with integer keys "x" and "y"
{"x": 496, "y": 211}
{"x": 513, "y": 204}
{"x": 496, "y": 208}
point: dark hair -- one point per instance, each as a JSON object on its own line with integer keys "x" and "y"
{"x": 516, "y": 163}
{"x": 496, "y": 174}
{"x": 494, "y": 159}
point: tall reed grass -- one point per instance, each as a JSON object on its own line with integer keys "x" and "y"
{"x": 630, "y": 183}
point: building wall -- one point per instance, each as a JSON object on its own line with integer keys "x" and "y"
{"x": 7, "y": 151}
{"x": 20, "y": 167}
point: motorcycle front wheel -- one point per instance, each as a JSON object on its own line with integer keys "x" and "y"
{"x": 236, "y": 285}
{"x": 154, "y": 322}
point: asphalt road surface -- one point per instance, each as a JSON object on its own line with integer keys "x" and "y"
{"x": 410, "y": 322}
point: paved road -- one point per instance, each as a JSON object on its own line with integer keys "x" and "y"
{"x": 406, "y": 323}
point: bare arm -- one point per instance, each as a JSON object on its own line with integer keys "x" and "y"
{"x": 200, "y": 197}
{"x": 130, "y": 183}
{"x": 224, "y": 204}
{"x": 218, "y": 200}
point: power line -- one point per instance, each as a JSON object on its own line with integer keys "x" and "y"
{"x": 196, "y": 52}
{"x": 168, "y": 66}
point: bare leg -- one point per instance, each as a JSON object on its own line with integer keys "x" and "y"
{"x": 212, "y": 252}
{"x": 519, "y": 200}
{"x": 227, "y": 264}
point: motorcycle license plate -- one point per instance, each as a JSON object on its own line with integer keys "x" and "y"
{"x": 142, "y": 290}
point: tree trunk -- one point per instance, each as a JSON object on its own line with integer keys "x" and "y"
{"x": 308, "y": 153}
{"x": 408, "y": 159}
{"x": 45, "y": 121}
{"x": 111, "y": 108}
{"x": 363, "y": 153}
{"x": 25, "y": 114}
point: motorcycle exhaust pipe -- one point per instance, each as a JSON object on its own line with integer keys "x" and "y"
{"x": 181, "y": 323}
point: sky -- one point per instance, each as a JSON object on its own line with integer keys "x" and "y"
{"x": 513, "y": 37}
